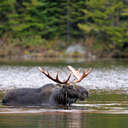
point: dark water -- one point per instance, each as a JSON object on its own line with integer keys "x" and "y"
{"x": 63, "y": 120}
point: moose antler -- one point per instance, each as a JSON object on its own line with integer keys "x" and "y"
{"x": 77, "y": 75}
{"x": 46, "y": 73}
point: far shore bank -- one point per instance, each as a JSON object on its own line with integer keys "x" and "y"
{"x": 62, "y": 61}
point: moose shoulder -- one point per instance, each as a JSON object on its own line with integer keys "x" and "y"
{"x": 63, "y": 93}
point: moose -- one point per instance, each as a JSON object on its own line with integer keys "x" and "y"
{"x": 64, "y": 93}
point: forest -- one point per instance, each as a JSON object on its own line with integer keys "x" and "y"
{"x": 33, "y": 26}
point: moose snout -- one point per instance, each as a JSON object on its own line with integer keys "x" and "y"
{"x": 84, "y": 95}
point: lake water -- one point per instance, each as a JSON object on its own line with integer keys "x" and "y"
{"x": 64, "y": 120}
{"x": 105, "y": 75}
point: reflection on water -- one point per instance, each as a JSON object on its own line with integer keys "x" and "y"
{"x": 63, "y": 120}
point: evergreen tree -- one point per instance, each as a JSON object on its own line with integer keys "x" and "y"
{"x": 24, "y": 19}
{"x": 6, "y": 7}
{"x": 49, "y": 14}
{"x": 105, "y": 18}
{"x": 71, "y": 15}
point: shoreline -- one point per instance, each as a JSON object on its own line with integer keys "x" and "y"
{"x": 21, "y": 60}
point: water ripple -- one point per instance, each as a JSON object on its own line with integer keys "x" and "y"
{"x": 21, "y": 76}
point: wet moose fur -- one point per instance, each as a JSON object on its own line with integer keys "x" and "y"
{"x": 64, "y": 93}
{"x": 49, "y": 94}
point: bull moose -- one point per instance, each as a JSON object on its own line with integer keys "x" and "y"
{"x": 63, "y": 93}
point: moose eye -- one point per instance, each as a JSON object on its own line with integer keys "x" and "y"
{"x": 71, "y": 87}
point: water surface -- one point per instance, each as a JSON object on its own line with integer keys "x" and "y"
{"x": 105, "y": 74}
{"x": 112, "y": 74}
{"x": 63, "y": 120}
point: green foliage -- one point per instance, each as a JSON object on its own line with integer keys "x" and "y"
{"x": 106, "y": 17}
{"x": 5, "y": 8}
{"x": 24, "y": 20}
{"x": 32, "y": 21}
{"x": 32, "y": 41}
{"x": 71, "y": 15}
{"x": 47, "y": 18}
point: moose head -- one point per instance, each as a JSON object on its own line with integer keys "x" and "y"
{"x": 69, "y": 92}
